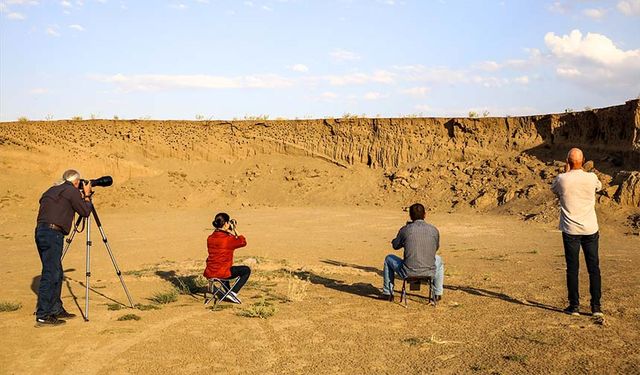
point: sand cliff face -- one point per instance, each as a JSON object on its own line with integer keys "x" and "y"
{"x": 478, "y": 163}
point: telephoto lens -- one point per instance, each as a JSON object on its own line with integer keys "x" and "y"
{"x": 103, "y": 181}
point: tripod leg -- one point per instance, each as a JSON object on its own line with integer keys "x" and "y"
{"x": 88, "y": 270}
{"x": 70, "y": 238}
{"x": 113, "y": 258}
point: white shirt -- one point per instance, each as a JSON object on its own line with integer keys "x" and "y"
{"x": 577, "y": 192}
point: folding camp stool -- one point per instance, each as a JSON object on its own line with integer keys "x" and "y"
{"x": 418, "y": 280}
{"x": 219, "y": 290}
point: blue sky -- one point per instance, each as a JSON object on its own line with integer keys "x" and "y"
{"x": 304, "y": 58}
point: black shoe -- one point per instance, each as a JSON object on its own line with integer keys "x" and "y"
{"x": 64, "y": 314}
{"x": 572, "y": 310}
{"x": 49, "y": 321}
{"x": 596, "y": 311}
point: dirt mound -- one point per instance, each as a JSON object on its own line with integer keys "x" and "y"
{"x": 502, "y": 164}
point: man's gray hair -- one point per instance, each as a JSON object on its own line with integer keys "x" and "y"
{"x": 68, "y": 175}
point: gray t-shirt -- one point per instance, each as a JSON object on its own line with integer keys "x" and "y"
{"x": 577, "y": 192}
{"x": 421, "y": 242}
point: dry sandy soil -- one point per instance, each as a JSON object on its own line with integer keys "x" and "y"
{"x": 319, "y": 219}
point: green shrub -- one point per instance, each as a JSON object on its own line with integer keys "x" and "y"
{"x": 129, "y": 317}
{"x": 114, "y": 306}
{"x": 262, "y": 309}
{"x": 9, "y": 306}
{"x": 142, "y": 307}
{"x": 165, "y": 297}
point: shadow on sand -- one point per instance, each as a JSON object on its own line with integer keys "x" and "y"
{"x": 351, "y": 265}
{"x": 185, "y": 284}
{"x": 357, "y": 288}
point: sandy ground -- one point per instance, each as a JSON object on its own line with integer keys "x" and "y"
{"x": 320, "y": 268}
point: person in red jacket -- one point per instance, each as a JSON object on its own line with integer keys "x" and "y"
{"x": 221, "y": 244}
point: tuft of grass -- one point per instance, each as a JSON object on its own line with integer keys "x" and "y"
{"x": 142, "y": 272}
{"x": 297, "y": 289}
{"x": 516, "y": 358}
{"x": 142, "y": 307}
{"x": 262, "y": 309}
{"x": 114, "y": 306}
{"x": 9, "y": 306}
{"x": 220, "y": 306}
{"x": 76, "y": 118}
{"x": 533, "y": 252}
{"x": 129, "y": 317}
{"x": 412, "y": 341}
{"x": 165, "y": 297}
{"x": 190, "y": 285}
{"x": 23, "y": 119}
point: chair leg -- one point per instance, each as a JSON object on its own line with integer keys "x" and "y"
{"x": 403, "y": 295}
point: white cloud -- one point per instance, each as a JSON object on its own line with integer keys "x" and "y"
{"x": 629, "y": 7}
{"x": 594, "y": 60}
{"x": 344, "y": 55}
{"x": 301, "y": 68}
{"x": 593, "y": 47}
{"x": 267, "y": 8}
{"x": 523, "y": 80}
{"x": 559, "y": 7}
{"x": 16, "y": 16}
{"x": 416, "y": 91}
{"x": 21, "y": 2}
{"x": 328, "y": 95}
{"x": 202, "y": 1}
{"x": 374, "y": 95}
{"x": 76, "y": 27}
{"x": 53, "y": 31}
{"x": 66, "y": 4}
{"x": 378, "y": 76}
{"x": 178, "y": 6}
{"x": 568, "y": 72}
{"x": 158, "y": 82}
{"x": 594, "y": 13}
{"x": 38, "y": 91}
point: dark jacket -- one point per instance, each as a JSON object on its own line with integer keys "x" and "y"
{"x": 58, "y": 205}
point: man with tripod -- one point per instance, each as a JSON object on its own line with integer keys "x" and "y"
{"x": 57, "y": 207}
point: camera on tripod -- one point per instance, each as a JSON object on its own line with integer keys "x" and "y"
{"x": 103, "y": 181}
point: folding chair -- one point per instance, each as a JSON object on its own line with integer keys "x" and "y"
{"x": 414, "y": 283}
{"x": 219, "y": 290}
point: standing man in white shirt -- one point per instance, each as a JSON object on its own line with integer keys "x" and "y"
{"x": 576, "y": 190}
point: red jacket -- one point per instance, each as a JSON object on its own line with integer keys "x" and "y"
{"x": 221, "y": 246}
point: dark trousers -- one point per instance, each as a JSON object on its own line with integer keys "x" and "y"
{"x": 589, "y": 244}
{"x": 243, "y": 272}
{"x": 49, "y": 243}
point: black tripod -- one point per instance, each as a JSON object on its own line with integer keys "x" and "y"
{"x": 86, "y": 224}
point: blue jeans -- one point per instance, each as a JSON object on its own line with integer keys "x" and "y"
{"x": 49, "y": 243}
{"x": 393, "y": 265}
{"x": 589, "y": 244}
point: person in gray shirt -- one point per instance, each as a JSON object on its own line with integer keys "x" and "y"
{"x": 576, "y": 190}
{"x": 420, "y": 241}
